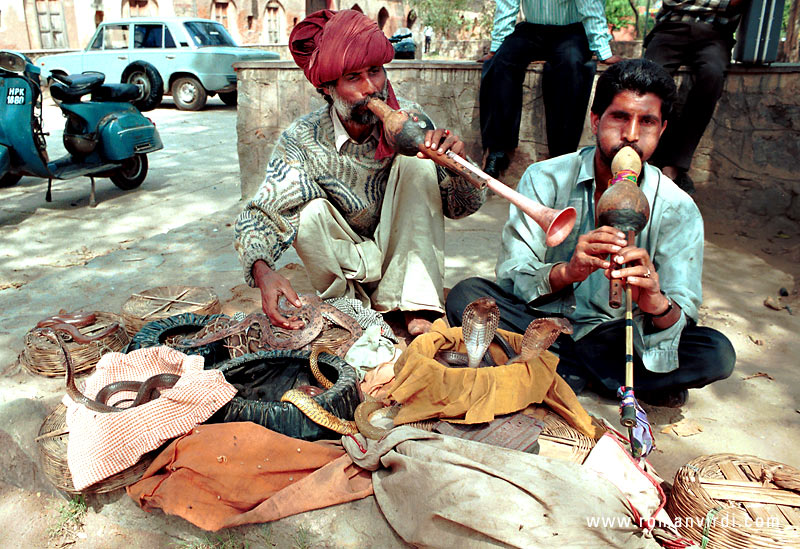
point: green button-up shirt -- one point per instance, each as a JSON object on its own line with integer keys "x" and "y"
{"x": 673, "y": 237}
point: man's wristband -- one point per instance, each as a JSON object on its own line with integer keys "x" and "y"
{"x": 667, "y": 311}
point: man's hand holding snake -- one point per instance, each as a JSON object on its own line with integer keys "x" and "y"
{"x": 273, "y": 286}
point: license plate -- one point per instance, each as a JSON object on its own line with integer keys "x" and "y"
{"x": 15, "y": 96}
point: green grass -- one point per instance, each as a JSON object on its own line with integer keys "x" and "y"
{"x": 302, "y": 538}
{"x": 70, "y": 517}
{"x": 232, "y": 540}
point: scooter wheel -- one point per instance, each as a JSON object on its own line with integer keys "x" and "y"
{"x": 131, "y": 174}
{"x": 9, "y": 180}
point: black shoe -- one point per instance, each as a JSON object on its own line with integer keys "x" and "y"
{"x": 675, "y": 398}
{"x": 496, "y": 162}
{"x": 685, "y": 182}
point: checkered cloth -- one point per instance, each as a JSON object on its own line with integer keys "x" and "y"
{"x": 102, "y": 444}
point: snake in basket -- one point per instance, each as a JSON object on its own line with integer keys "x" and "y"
{"x": 310, "y": 407}
{"x": 319, "y": 415}
{"x": 256, "y": 332}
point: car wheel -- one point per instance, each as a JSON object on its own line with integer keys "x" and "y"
{"x": 9, "y": 180}
{"x": 131, "y": 174}
{"x": 229, "y": 98}
{"x": 145, "y": 76}
{"x": 189, "y": 94}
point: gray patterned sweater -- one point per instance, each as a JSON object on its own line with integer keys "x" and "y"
{"x": 306, "y": 165}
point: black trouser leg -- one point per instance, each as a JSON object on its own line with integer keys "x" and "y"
{"x": 501, "y": 87}
{"x": 707, "y": 54}
{"x": 566, "y": 87}
{"x": 704, "y": 354}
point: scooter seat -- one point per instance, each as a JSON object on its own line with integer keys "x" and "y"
{"x": 70, "y": 88}
{"x": 116, "y": 92}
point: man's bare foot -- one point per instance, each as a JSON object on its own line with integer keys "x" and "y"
{"x": 419, "y": 322}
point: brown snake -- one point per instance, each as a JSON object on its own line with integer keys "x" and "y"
{"x": 313, "y": 311}
{"x": 311, "y": 408}
{"x": 146, "y": 390}
{"x": 79, "y": 320}
{"x": 72, "y": 331}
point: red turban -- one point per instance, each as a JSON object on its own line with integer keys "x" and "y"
{"x": 328, "y": 44}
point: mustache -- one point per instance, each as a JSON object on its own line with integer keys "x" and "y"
{"x": 362, "y": 104}
{"x": 633, "y": 146}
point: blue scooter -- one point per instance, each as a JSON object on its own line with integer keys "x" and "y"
{"x": 104, "y": 137}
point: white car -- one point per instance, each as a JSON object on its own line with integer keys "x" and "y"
{"x": 188, "y": 58}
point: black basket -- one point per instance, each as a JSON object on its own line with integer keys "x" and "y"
{"x": 156, "y": 333}
{"x": 263, "y": 377}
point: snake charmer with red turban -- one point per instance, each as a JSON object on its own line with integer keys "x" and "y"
{"x": 367, "y": 224}
{"x": 328, "y": 44}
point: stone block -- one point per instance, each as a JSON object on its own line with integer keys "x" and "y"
{"x": 751, "y": 144}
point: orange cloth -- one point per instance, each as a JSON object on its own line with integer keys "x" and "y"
{"x": 428, "y": 389}
{"x": 229, "y": 474}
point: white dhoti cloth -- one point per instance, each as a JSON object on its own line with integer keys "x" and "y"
{"x": 402, "y": 266}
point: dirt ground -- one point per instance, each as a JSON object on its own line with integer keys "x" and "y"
{"x": 748, "y": 261}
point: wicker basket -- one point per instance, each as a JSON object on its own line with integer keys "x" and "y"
{"x": 737, "y": 502}
{"x": 52, "y": 441}
{"x": 166, "y": 301}
{"x": 43, "y": 356}
{"x": 559, "y": 439}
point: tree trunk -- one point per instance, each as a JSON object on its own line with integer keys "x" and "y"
{"x": 635, "y": 16}
{"x": 791, "y": 52}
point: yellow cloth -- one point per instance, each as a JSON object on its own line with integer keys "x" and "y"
{"x": 427, "y": 389}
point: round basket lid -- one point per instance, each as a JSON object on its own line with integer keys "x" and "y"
{"x": 166, "y": 301}
{"x": 737, "y": 502}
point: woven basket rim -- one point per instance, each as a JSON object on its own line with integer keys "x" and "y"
{"x": 53, "y": 459}
{"x": 138, "y": 311}
{"x": 557, "y": 426}
{"x": 41, "y": 356}
{"x": 730, "y": 522}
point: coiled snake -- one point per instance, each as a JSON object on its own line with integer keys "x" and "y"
{"x": 256, "y": 332}
{"x": 311, "y": 408}
{"x": 145, "y": 390}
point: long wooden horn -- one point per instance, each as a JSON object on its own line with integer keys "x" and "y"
{"x": 407, "y": 137}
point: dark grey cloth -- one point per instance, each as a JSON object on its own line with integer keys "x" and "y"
{"x": 566, "y": 85}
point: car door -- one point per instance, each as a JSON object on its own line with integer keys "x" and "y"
{"x": 109, "y": 51}
{"x": 154, "y": 43}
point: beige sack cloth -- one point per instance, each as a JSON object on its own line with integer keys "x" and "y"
{"x": 440, "y": 491}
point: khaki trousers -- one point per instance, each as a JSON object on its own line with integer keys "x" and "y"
{"x": 402, "y": 267}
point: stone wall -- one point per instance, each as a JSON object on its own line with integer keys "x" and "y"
{"x": 747, "y": 155}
